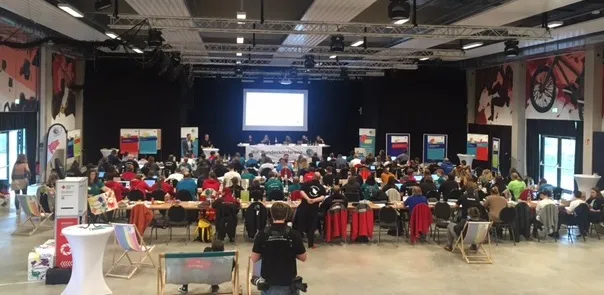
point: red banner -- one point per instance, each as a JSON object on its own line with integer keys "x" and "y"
{"x": 63, "y": 251}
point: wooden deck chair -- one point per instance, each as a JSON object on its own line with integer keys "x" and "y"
{"x": 210, "y": 268}
{"x": 33, "y": 211}
{"x": 253, "y": 270}
{"x": 128, "y": 237}
{"x": 477, "y": 233}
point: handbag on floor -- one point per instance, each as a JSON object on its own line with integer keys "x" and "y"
{"x": 58, "y": 276}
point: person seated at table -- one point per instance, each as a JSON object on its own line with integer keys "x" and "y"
{"x": 219, "y": 168}
{"x": 369, "y": 188}
{"x": 427, "y": 185}
{"x": 352, "y": 186}
{"x": 354, "y": 161}
{"x": 391, "y": 183}
{"x": 283, "y": 164}
{"x": 323, "y": 164}
{"x": 114, "y": 185}
{"x": 485, "y": 178}
{"x": 129, "y": 174}
{"x": 231, "y": 174}
{"x": 250, "y": 140}
{"x": 454, "y": 230}
{"x": 566, "y": 215}
{"x": 468, "y": 199}
{"x": 273, "y": 183}
{"x": 319, "y": 140}
{"x": 494, "y": 203}
{"x": 287, "y": 140}
{"x": 185, "y": 166}
{"x": 314, "y": 159}
{"x": 152, "y": 165}
{"x": 386, "y": 174}
{"x": 206, "y": 142}
{"x": 447, "y": 186}
{"x": 336, "y": 196}
{"x": 256, "y": 190}
{"x": 295, "y": 186}
{"x": 304, "y": 139}
{"x": 163, "y": 185}
{"x": 425, "y": 174}
{"x": 500, "y": 184}
{"x": 417, "y": 197}
{"x": 264, "y": 159}
{"x": 213, "y": 156}
{"x": 150, "y": 176}
{"x": 188, "y": 184}
{"x": 211, "y": 183}
{"x": 249, "y": 174}
{"x": 267, "y": 166}
{"x": 234, "y": 189}
{"x": 544, "y": 186}
{"x": 508, "y": 179}
{"x": 139, "y": 184}
{"x": 170, "y": 165}
{"x": 265, "y": 140}
{"x": 303, "y": 167}
{"x": 410, "y": 175}
{"x": 131, "y": 161}
{"x": 516, "y": 186}
{"x": 329, "y": 179}
{"x": 95, "y": 185}
{"x": 251, "y": 162}
{"x": 596, "y": 205}
{"x": 340, "y": 162}
{"x": 447, "y": 166}
{"x": 440, "y": 178}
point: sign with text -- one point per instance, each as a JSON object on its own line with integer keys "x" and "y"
{"x": 435, "y": 147}
{"x": 397, "y": 143}
{"x": 478, "y": 145}
{"x": 129, "y": 141}
{"x": 367, "y": 139}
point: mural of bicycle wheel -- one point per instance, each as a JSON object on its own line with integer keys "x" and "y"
{"x": 494, "y": 87}
{"x": 555, "y": 88}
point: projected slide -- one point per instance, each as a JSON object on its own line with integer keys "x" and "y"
{"x": 275, "y": 110}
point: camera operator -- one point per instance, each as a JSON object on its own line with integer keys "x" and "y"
{"x": 278, "y": 246}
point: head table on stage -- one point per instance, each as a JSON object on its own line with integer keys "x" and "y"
{"x": 276, "y": 152}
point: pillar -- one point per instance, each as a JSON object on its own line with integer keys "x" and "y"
{"x": 518, "y": 157}
{"x": 592, "y": 117}
{"x": 471, "y": 95}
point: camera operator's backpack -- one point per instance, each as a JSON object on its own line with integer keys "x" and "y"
{"x": 204, "y": 231}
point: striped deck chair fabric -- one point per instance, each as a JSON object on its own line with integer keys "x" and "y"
{"x": 33, "y": 211}
{"x": 476, "y": 233}
{"x": 128, "y": 237}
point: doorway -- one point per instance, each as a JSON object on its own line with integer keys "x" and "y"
{"x": 12, "y": 143}
{"x": 557, "y": 161}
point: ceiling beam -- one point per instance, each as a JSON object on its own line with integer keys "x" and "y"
{"x": 266, "y": 62}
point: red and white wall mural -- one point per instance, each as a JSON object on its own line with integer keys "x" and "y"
{"x": 555, "y": 87}
{"x": 494, "y": 95}
{"x": 65, "y": 91}
{"x": 19, "y": 79}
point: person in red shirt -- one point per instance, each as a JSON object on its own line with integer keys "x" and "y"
{"x": 116, "y": 186}
{"x": 163, "y": 185}
{"x": 211, "y": 183}
{"x": 129, "y": 174}
{"x": 234, "y": 191}
{"x": 138, "y": 184}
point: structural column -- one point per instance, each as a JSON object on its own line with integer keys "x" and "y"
{"x": 471, "y": 92}
{"x": 518, "y": 140}
{"x": 592, "y": 117}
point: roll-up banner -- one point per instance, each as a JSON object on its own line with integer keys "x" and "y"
{"x": 435, "y": 147}
{"x": 367, "y": 139}
{"x": 397, "y": 143}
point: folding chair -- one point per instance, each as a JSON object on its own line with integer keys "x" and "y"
{"x": 33, "y": 210}
{"x": 476, "y": 233}
{"x": 253, "y": 270}
{"x": 210, "y": 268}
{"x": 128, "y": 237}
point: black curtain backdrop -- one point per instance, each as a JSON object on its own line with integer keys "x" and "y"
{"x": 504, "y": 133}
{"x": 536, "y": 128}
{"x": 598, "y": 157}
{"x": 29, "y": 122}
{"x": 120, "y": 94}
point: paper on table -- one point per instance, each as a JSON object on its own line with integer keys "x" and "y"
{"x": 380, "y": 205}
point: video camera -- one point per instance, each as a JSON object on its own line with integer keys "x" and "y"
{"x": 297, "y": 284}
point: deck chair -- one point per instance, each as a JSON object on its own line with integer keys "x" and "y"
{"x": 476, "y": 233}
{"x": 128, "y": 237}
{"x": 33, "y": 211}
{"x": 210, "y": 268}
{"x": 253, "y": 270}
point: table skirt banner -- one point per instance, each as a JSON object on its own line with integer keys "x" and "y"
{"x": 189, "y": 145}
{"x": 276, "y": 152}
{"x": 478, "y": 145}
{"x": 129, "y": 141}
{"x": 148, "y": 141}
{"x": 367, "y": 139}
{"x": 495, "y": 154}
{"x": 397, "y": 143}
{"x": 435, "y": 147}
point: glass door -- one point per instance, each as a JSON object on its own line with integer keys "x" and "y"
{"x": 4, "y": 156}
{"x": 558, "y": 161}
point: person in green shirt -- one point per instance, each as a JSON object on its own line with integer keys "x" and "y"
{"x": 95, "y": 186}
{"x": 296, "y": 186}
{"x": 516, "y": 186}
{"x": 440, "y": 179}
{"x": 247, "y": 174}
{"x": 272, "y": 184}
{"x": 369, "y": 187}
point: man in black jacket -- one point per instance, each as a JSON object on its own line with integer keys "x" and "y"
{"x": 447, "y": 186}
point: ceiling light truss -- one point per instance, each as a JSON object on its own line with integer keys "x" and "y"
{"x": 236, "y": 26}
{"x": 298, "y": 50}
{"x": 266, "y": 62}
{"x": 312, "y": 74}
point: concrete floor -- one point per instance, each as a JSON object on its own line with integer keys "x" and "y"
{"x": 528, "y": 268}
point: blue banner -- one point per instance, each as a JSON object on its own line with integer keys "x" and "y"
{"x": 435, "y": 147}
{"x": 397, "y": 144}
{"x": 148, "y": 145}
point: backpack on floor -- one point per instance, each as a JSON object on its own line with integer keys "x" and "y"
{"x": 204, "y": 231}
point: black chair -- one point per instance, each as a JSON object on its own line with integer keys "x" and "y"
{"x": 388, "y": 218}
{"x": 580, "y": 221}
{"x": 184, "y": 196}
{"x": 557, "y": 193}
{"x": 454, "y": 194}
{"x": 256, "y": 195}
{"x": 433, "y": 196}
{"x": 353, "y": 197}
{"x": 177, "y": 217}
{"x": 442, "y": 213}
{"x": 136, "y": 195}
{"x": 265, "y": 173}
{"x": 276, "y": 195}
{"x": 481, "y": 195}
{"x": 507, "y": 217}
{"x": 158, "y": 195}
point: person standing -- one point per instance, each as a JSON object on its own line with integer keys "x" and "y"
{"x": 312, "y": 194}
{"x": 279, "y": 246}
{"x": 206, "y": 143}
{"x": 187, "y": 146}
{"x": 20, "y": 178}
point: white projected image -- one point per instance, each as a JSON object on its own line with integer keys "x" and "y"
{"x": 272, "y": 110}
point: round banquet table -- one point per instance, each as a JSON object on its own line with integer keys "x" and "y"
{"x": 87, "y": 248}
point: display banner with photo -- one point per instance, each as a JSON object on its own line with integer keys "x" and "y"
{"x": 495, "y": 154}
{"x": 129, "y": 141}
{"x": 397, "y": 143}
{"x": 360, "y": 152}
{"x": 148, "y": 141}
{"x": 74, "y": 144}
{"x": 493, "y": 92}
{"x": 189, "y": 141}
{"x": 56, "y": 145}
{"x": 435, "y": 147}
{"x": 367, "y": 139}
{"x": 478, "y": 145}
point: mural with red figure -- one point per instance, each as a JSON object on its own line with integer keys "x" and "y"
{"x": 20, "y": 79}
{"x": 493, "y": 92}
{"x": 65, "y": 91}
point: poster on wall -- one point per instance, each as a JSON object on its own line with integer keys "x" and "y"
{"x": 397, "y": 143}
{"x": 189, "y": 141}
{"x": 148, "y": 141}
{"x": 20, "y": 79}
{"x": 56, "y": 145}
{"x": 478, "y": 145}
{"x": 555, "y": 87}
{"x": 65, "y": 91}
{"x": 129, "y": 141}
{"x": 435, "y": 147}
{"x": 495, "y": 154}
{"x": 367, "y": 139}
{"x": 74, "y": 144}
{"x": 494, "y": 95}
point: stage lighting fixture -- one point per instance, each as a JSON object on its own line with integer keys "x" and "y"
{"x": 240, "y": 40}
{"x": 424, "y": 58}
{"x": 555, "y": 24}
{"x": 102, "y": 4}
{"x": 309, "y": 61}
{"x": 71, "y": 10}
{"x": 239, "y": 54}
{"x": 399, "y": 10}
{"x": 357, "y": 43}
{"x": 337, "y": 43}
{"x": 511, "y": 48}
{"x": 333, "y": 56}
{"x": 136, "y": 50}
{"x": 472, "y": 45}
{"x": 154, "y": 38}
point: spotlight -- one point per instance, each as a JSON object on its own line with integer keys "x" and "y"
{"x": 239, "y": 54}
{"x": 333, "y": 56}
{"x": 398, "y": 9}
{"x": 241, "y": 15}
{"x": 239, "y": 40}
{"x": 424, "y": 58}
{"x": 511, "y": 48}
{"x": 357, "y": 43}
{"x": 337, "y": 43}
{"x": 102, "y": 4}
{"x": 555, "y": 24}
{"x": 309, "y": 61}
{"x": 154, "y": 38}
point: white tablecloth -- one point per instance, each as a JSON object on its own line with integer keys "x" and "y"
{"x": 87, "y": 249}
{"x": 275, "y": 152}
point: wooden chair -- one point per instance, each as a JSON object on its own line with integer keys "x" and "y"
{"x": 128, "y": 237}
{"x": 476, "y": 233}
{"x": 33, "y": 211}
{"x": 210, "y": 268}
{"x": 253, "y": 270}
